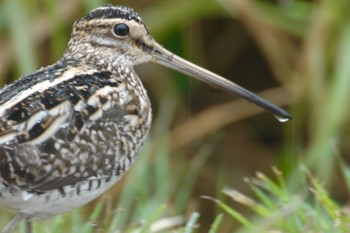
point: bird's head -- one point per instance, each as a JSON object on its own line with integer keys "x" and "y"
{"x": 116, "y": 36}
{"x": 112, "y": 33}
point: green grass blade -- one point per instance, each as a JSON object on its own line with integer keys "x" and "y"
{"x": 216, "y": 224}
{"x": 191, "y": 223}
{"x": 233, "y": 213}
{"x": 156, "y": 215}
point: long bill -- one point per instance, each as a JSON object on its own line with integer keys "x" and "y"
{"x": 170, "y": 60}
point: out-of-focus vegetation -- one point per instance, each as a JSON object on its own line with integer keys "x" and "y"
{"x": 296, "y": 53}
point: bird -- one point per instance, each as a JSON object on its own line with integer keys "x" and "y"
{"x": 69, "y": 131}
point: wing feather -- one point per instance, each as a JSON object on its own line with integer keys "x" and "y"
{"x": 46, "y": 142}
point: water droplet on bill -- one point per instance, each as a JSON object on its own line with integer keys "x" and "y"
{"x": 282, "y": 119}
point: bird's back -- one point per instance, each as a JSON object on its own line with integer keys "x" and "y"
{"x": 68, "y": 129}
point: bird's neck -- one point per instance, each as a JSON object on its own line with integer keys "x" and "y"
{"x": 103, "y": 60}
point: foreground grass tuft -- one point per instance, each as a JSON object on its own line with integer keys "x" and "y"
{"x": 276, "y": 209}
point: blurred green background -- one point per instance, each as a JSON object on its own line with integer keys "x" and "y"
{"x": 295, "y": 53}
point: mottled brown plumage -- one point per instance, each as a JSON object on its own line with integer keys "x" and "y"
{"x": 70, "y": 130}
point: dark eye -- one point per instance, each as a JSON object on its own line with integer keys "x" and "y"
{"x": 121, "y": 29}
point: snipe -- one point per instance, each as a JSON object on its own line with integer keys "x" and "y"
{"x": 69, "y": 131}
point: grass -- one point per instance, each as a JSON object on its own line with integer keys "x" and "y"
{"x": 277, "y": 209}
{"x": 178, "y": 185}
{"x": 274, "y": 207}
